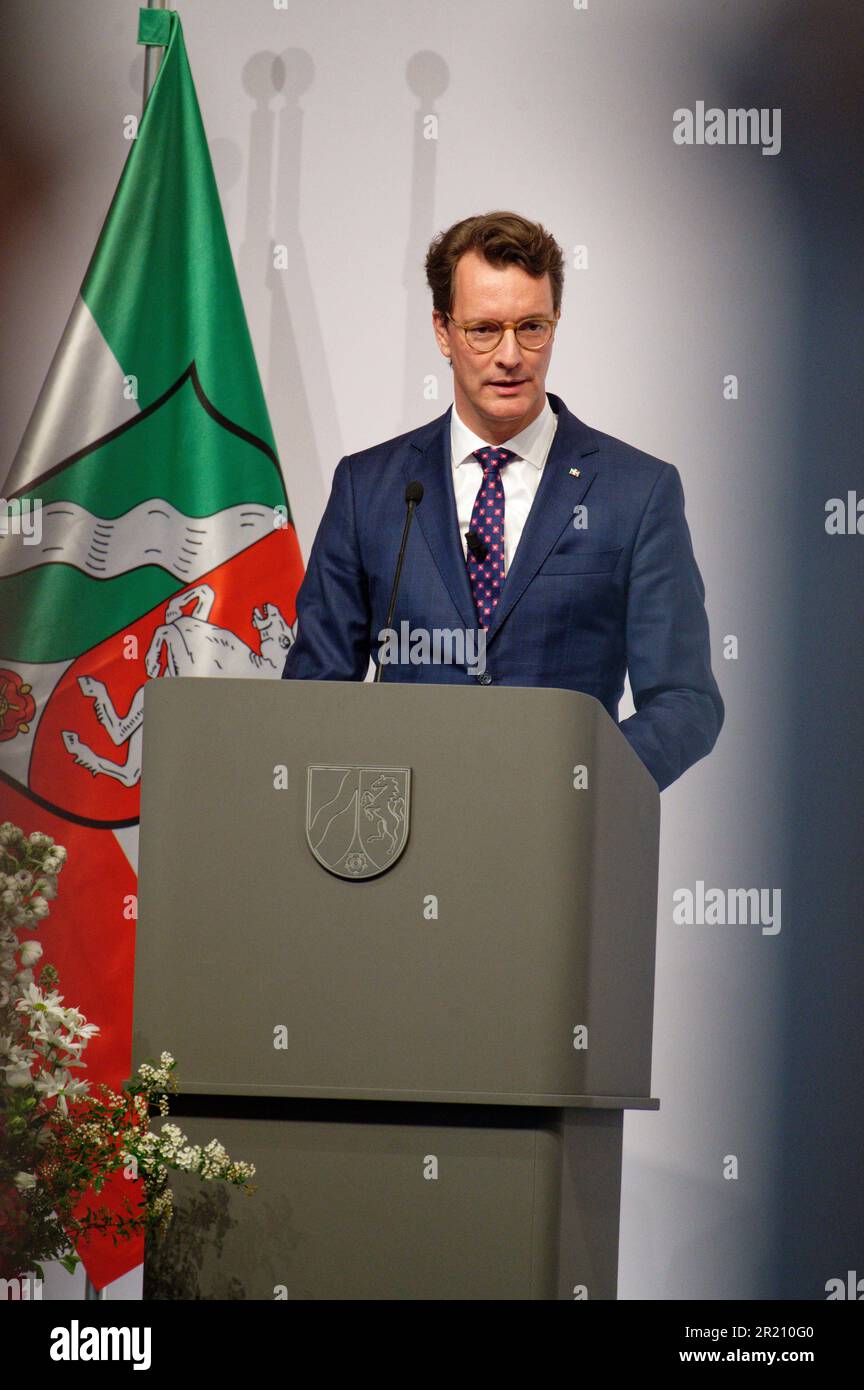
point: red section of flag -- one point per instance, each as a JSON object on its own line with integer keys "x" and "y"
{"x": 90, "y": 934}
{"x": 90, "y": 938}
{"x": 103, "y": 1260}
{"x": 268, "y": 572}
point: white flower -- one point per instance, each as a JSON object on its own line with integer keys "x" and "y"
{"x": 30, "y": 952}
{"x": 25, "y": 1182}
{"x": 34, "y": 1001}
{"x": 51, "y": 1084}
{"x": 18, "y": 1076}
{"x": 62, "y": 1086}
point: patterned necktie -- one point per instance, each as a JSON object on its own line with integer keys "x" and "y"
{"x": 487, "y": 520}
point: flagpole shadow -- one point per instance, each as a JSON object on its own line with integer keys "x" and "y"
{"x": 428, "y": 77}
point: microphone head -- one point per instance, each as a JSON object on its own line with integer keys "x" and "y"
{"x": 476, "y": 546}
{"x": 414, "y": 492}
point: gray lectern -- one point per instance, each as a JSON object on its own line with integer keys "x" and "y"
{"x": 400, "y": 939}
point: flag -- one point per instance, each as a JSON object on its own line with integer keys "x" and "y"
{"x": 145, "y": 534}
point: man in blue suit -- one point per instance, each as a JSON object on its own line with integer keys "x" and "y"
{"x": 564, "y": 550}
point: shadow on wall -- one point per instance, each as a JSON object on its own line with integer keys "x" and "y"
{"x": 184, "y": 1263}
{"x": 295, "y": 369}
{"x": 428, "y": 78}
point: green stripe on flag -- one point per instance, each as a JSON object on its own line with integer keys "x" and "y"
{"x": 177, "y": 451}
{"x": 161, "y": 284}
{"x": 67, "y": 612}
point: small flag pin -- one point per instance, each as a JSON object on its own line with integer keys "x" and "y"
{"x": 574, "y": 473}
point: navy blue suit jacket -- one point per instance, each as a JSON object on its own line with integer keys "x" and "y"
{"x": 578, "y": 606}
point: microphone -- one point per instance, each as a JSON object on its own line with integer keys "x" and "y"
{"x": 413, "y": 496}
{"x": 476, "y": 546}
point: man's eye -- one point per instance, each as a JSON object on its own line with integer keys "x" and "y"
{"x": 532, "y": 325}
{"x": 484, "y": 329}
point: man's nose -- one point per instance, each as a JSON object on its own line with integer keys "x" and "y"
{"x": 509, "y": 352}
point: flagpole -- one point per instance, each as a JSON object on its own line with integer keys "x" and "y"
{"x": 148, "y": 49}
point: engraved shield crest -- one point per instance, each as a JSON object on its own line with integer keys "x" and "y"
{"x": 357, "y": 817}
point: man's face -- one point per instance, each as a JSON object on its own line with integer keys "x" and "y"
{"x": 496, "y": 393}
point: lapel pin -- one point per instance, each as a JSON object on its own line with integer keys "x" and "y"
{"x": 574, "y": 473}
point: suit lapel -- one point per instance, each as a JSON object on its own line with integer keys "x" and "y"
{"x": 436, "y": 515}
{"x": 559, "y": 492}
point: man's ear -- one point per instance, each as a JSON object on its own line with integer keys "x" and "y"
{"x": 442, "y": 336}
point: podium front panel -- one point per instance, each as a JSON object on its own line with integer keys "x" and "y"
{"x": 506, "y": 956}
{"x": 390, "y": 1201}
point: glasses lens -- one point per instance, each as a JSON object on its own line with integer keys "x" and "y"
{"x": 533, "y": 333}
{"x": 483, "y": 336}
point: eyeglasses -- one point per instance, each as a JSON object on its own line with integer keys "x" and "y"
{"x": 483, "y": 335}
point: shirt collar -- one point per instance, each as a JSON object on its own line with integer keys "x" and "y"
{"x": 532, "y": 443}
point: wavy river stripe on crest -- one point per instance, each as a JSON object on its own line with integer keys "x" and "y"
{"x": 153, "y": 533}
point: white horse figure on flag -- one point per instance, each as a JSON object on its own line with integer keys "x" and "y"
{"x": 192, "y": 646}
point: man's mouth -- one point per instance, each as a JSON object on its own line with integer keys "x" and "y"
{"x": 509, "y": 384}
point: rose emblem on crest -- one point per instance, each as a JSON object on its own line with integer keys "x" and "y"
{"x": 17, "y": 706}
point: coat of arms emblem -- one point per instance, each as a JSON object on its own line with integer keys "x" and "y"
{"x": 357, "y": 817}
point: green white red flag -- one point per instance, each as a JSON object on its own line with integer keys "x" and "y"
{"x": 146, "y": 533}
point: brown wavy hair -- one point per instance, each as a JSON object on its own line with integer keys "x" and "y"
{"x": 503, "y": 238}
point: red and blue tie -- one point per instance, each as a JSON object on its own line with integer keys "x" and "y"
{"x": 486, "y": 576}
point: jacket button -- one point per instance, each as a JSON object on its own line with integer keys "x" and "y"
{"x": 485, "y": 679}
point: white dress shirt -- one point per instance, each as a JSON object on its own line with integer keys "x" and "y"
{"x": 520, "y": 477}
